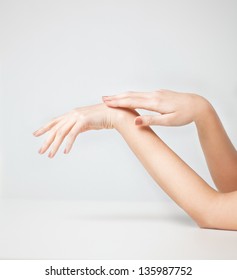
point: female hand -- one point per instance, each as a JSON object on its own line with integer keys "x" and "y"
{"x": 74, "y": 122}
{"x": 175, "y": 109}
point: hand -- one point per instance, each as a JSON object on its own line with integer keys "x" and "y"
{"x": 175, "y": 109}
{"x": 74, "y": 122}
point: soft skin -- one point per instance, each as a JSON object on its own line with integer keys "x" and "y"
{"x": 176, "y": 109}
{"x": 208, "y": 207}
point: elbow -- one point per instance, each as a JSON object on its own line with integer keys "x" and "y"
{"x": 211, "y": 223}
{"x": 209, "y": 217}
{"x": 206, "y": 223}
{"x": 219, "y": 215}
{"x": 216, "y": 225}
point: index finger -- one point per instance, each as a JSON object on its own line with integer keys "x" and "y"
{"x": 133, "y": 94}
{"x": 47, "y": 127}
{"x": 132, "y": 103}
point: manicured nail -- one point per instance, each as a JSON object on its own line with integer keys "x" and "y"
{"x": 138, "y": 121}
{"x": 65, "y": 151}
{"x": 35, "y": 133}
{"x": 40, "y": 151}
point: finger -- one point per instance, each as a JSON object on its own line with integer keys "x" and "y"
{"x": 50, "y": 138}
{"x": 163, "y": 120}
{"x": 60, "y": 136}
{"x": 46, "y": 127}
{"x": 72, "y": 135}
{"x": 133, "y": 94}
{"x": 133, "y": 103}
{"x": 47, "y": 143}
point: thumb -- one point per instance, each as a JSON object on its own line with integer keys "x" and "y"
{"x": 164, "y": 120}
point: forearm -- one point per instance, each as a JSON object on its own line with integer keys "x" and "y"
{"x": 220, "y": 154}
{"x": 176, "y": 109}
{"x": 175, "y": 177}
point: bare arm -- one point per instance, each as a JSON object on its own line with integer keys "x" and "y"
{"x": 220, "y": 154}
{"x": 207, "y": 207}
{"x": 177, "y": 109}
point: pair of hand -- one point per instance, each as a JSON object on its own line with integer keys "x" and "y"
{"x": 174, "y": 109}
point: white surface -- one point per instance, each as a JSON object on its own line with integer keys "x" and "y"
{"x": 57, "y": 55}
{"x": 31, "y": 229}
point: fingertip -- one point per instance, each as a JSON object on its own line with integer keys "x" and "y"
{"x": 106, "y": 98}
{"x": 38, "y": 133}
{"x": 138, "y": 121}
{"x": 50, "y": 155}
{"x": 108, "y": 102}
{"x": 68, "y": 148}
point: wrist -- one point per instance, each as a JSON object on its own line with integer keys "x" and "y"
{"x": 203, "y": 110}
{"x": 123, "y": 117}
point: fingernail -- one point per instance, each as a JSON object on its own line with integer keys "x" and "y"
{"x": 35, "y": 133}
{"x": 106, "y": 98}
{"x": 65, "y": 151}
{"x": 50, "y": 155}
{"x": 40, "y": 151}
{"x": 138, "y": 121}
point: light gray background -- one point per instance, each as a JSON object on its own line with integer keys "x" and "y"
{"x": 57, "y": 55}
